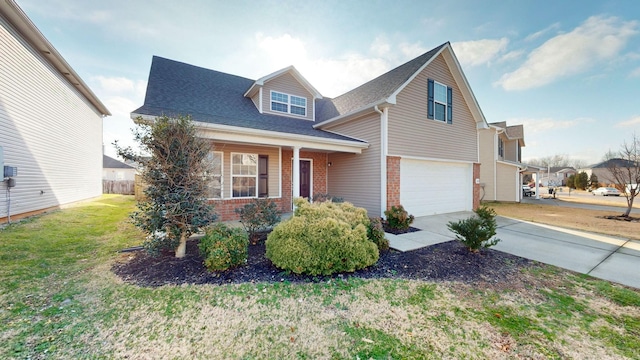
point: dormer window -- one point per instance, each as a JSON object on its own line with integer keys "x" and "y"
{"x": 289, "y": 104}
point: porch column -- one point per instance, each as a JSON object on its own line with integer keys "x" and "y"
{"x": 537, "y": 186}
{"x": 295, "y": 175}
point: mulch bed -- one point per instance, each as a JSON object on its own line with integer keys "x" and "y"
{"x": 449, "y": 261}
{"x": 622, "y": 218}
{"x": 394, "y": 231}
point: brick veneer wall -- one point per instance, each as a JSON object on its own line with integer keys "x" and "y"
{"x": 476, "y": 187}
{"x": 393, "y": 181}
{"x": 226, "y": 208}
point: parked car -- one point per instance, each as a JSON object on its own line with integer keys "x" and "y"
{"x": 606, "y": 191}
{"x": 527, "y": 191}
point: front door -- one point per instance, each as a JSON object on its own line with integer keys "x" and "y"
{"x": 305, "y": 179}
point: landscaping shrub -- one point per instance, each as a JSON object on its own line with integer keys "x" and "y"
{"x": 375, "y": 233}
{"x": 398, "y": 218}
{"x": 259, "y": 215}
{"x": 322, "y": 239}
{"x": 327, "y": 197}
{"x": 476, "y": 232}
{"x": 223, "y": 247}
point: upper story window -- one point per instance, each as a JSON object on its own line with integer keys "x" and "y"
{"x": 440, "y": 102}
{"x": 289, "y": 104}
{"x": 500, "y": 147}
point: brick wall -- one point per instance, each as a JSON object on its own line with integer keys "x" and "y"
{"x": 393, "y": 181}
{"x": 226, "y": 209}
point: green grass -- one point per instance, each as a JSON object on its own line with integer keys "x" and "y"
{"x": 59, "y": 299}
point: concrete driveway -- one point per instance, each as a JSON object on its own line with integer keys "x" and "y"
{"x": 604, "y": 257}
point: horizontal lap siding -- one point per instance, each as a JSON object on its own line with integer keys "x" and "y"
{"x": 274, "y": 165}
{"x": 506, "y": 182}
{"x": 356, "y": 177}
{"x": 487, "y": 163}
{"x": 411, "y": 133}
{"x": 286, "y": 83}
{"x": 47, "y": 129}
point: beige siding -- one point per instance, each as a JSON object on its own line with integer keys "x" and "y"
{"x": 274, "y": 165}
{"x": 47, "y": 129}
{"x": 507, "y": 183}
{"x": 487, "y": 163}
{"x": 411, "y": 133}
{"x": 356, "y": 177}
{"x": 287, "y": 84}
{"x": 511, "y": 150}
{"x": 256, "y": 100}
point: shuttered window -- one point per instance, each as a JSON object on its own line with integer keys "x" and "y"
{"x": 440, "y": 102}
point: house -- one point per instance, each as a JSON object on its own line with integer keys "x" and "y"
{"x": 113, "y": 169}
{"x": 601, "y": 170}
{"x": 501, "y": 172}
{"x": 554, "y": 176}
{"x": 409, "y": 136}
{"x": 50, "y": 123}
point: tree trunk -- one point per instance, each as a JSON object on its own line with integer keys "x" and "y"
{"x": 182, "y": 248}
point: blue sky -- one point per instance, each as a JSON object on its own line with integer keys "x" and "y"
{"x": 568, "y": 70}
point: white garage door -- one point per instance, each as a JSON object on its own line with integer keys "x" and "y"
{"x": 432, "y": 187}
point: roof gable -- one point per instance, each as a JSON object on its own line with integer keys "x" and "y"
{"x": 111, "y": 163}
{"x": 288, "y": 70}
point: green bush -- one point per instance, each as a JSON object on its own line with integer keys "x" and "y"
{"x": 476, "y": 232}
{"x": 322, "y": 239}
{"x": 223, "y": 248}
{"x": 327, "y": 197}
{"x": 375, "y": 233}
{"x": 259, "y": 215}
{"x": 398, "y": 218}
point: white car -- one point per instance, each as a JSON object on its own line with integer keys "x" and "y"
{"x": 606, "y": 191}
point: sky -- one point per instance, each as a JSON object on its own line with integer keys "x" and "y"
{"x": 569, "y": 71}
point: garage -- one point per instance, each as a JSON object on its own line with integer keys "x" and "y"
{"x": 433, "y": 187}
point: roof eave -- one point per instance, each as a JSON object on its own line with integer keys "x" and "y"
{"x": 361, "y": 111}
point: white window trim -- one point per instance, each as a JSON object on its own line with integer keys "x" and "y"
{"x": 247, "y": 176}
{"x": 288, "y": 103}
{"x": 446, "y": 105}
{"x": 221, "y": 176}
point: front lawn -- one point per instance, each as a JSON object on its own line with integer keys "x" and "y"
{"x": 59, "y": 299}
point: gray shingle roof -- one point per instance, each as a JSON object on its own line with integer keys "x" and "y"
{"x": 111, "y": 163}
{"x": 176, "y": 88}
{"x": 373, "y": 91}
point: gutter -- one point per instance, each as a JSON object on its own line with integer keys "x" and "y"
{"x": 384, "y": 124}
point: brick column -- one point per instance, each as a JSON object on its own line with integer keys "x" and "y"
{"x": 476, "y": 187}
{"x": 393, "y": 181}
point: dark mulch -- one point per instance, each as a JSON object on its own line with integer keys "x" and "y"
{"x": 398, "y": 231}
{"x": 449, "y": 261}
{"x": 622, "y": 218}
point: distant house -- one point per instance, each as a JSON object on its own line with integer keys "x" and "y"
{"x": 116, "y": 170}
{"x": 601, "y": 170}
{"x": 409, "y": 136}
{"x": 50, "y": 122}
{"x": 501, "y": 162}
{"x": 554, "y": 176}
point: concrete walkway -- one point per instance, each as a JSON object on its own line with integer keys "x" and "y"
{"x": 604, "y": 257}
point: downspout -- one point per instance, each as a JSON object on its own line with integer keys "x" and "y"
{"x": 495, "y": 164}
{"x": 384, "y": 121}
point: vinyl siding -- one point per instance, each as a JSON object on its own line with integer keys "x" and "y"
{"x": 356, "y": 177}
{"x": 507, "y": 183}
{"x": 287, "y": 84}
{"x": 274, "y": 165}
{"x": 411, "y": 133}
{"x": 511, "y": 150}
{"x": 47, "y": 129}
{"x": 488, "y": 149}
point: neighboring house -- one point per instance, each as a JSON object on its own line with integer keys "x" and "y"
{"x": 50, "y": 122}
{"x": 409, "y": 136}
{"x": 554, "y": 176}
{"x": 501, "y": 159}
{"x": 601, "y": 170}
{"x": 113, "y": 169}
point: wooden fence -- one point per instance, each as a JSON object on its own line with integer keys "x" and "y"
{"x": 139, "y": 188}
{"x": 125, "y": 187}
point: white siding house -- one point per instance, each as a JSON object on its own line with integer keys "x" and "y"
{"x": 50, "y": 122}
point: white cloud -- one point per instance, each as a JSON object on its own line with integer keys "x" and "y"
{"x": 479, "y": 52}
{"x": 511, "y": 55}
{"x": 380, "y": 47}
{"x": 411, "y": 51}
{"x": 598, "y": 40}
{"x": 542, "y": 32}
{"x": 635, "y": 72}
{"x": 634, "y": 121}
{"x": 533, "y": 126}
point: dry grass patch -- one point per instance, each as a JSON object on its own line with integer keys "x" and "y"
{"x": 572, "y": 218}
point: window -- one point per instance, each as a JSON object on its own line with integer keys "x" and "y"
{"x": 288, "y": 103}
{"x": 244, "y": 175}
{"x": 214, "y": 175}
{"x": 440, "y": 102}
{"x": 500, "y": 147}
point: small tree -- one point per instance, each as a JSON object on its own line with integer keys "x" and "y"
{"x": 571, "y": 181}
{"x": 593, "y": 181}
{"x": 173, "y": 168}
{"x": 581, "y": 181}
{"x": 624, "y": 169}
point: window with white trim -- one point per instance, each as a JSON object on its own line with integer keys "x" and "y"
{"x": 440, "y": 102}
{"x": 214, "y": 175}
{"x": 244, "y": 175}
{"x": 289, "y": 104}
